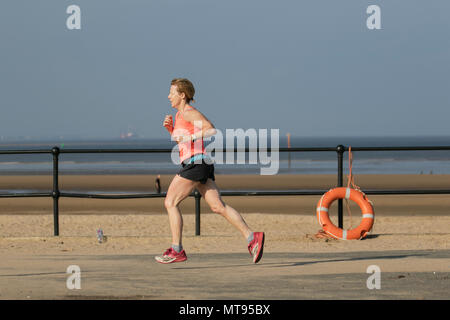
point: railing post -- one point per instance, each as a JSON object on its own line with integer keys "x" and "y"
{"x": 55, "y": 193}
{"x": 340, "y": 154}
{"x": 197, "y": 197}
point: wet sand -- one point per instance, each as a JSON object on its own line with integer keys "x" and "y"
{"x": 302, "y": 205}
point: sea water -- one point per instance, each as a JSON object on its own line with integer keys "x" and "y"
{"x": 364, "y": 162}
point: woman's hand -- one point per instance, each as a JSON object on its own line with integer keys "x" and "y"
{"x": 168, "y": 123}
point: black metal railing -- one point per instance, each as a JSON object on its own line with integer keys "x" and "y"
{"x": 56, "y": 193}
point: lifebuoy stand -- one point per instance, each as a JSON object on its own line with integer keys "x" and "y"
{"x": 355, "y": 195}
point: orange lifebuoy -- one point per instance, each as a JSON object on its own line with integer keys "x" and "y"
{"x": 345, "y": 193}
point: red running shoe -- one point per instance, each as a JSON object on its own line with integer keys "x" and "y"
{"x": 256, "y": 246}
{"x": 171, "y": 255}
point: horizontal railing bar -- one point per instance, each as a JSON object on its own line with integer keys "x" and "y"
{"x": 320, "y": 192}
{"x": 112, "y": 196}
{"x": 228, "y": 193}
{"x": 24, "y": 151}
{"x": 406, "y": 192}
{"x": 272, "y": 193}
{"x": 25, "y": 195}
{"x": 87, "y": 151}
{"x": 115, "y": 150}
{"x": 429, "y": 148}
{"x": 236, "y": 150}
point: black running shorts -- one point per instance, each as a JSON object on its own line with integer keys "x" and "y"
{"x": 197, "y": 171}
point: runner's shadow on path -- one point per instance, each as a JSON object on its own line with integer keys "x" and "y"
{"x": 303, "y": 263}
{"x": 282, "y": 264}
{"x": 37, "y": 274}
{"x": 370, "y": 236}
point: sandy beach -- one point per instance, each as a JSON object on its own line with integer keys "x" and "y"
{"x": 395, "y": 214}
{"x": 403, "y": 223}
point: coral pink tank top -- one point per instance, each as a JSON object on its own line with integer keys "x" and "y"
{"x": 185, "y": 128}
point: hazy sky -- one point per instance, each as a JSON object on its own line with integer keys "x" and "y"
{"x": 311, "y": 68}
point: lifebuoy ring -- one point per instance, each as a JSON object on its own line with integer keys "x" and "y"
{"x": 345, "y": 193}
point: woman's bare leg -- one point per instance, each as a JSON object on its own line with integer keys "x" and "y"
{"x": 211, "y": 194}
{"x": 179, "y": 189}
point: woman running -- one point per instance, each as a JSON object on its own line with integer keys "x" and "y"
{"x": 197, "y": 171}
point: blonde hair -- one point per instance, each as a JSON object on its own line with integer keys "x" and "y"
{"x": 184, "y": 86}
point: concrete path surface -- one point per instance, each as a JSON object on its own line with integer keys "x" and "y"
{"x": 279, "y": 276}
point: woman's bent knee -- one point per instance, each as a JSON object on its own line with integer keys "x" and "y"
{"x": 218, "y": 208}
{"x": 170, "y": 203}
